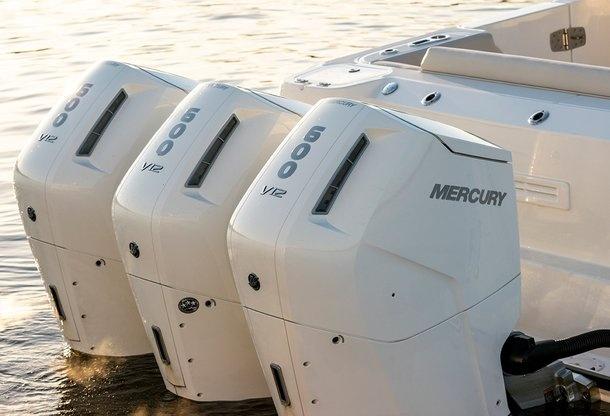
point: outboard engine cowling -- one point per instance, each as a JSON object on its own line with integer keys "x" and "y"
{"x": 386, "y": 279}
{"x": 171, "y": 214}
{"x": 65, "y": 178}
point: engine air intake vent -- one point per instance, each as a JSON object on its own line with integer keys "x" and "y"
{"x": 332, "y": 190}
{"x": 160, "y": 345}
{"x": 57, "y": 303}
{"x": 280, "y": 384}
{"x": 100, "y": 125}
{"x": 212, "y": 152}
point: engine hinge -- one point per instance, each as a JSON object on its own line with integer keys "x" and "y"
{"x": 568, "y": 38}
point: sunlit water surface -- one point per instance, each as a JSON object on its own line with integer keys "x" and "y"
{"x": 45, "y": 44}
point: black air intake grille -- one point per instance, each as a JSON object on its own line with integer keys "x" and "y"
{"x": 332, "y": 190}
{"x": 212, "y": 152}
{"x": 100, "y": 125}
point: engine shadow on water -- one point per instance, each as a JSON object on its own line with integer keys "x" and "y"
{"x": 134, "y": 386}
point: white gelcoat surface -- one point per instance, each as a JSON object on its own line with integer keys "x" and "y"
{"x": 558, "y": 164}
{"x": 181, "y": 232}
{"x": 72, "y": 197}
{"x": 423, "y": 291}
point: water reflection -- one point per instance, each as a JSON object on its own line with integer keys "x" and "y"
{"x": 113, "y": 386}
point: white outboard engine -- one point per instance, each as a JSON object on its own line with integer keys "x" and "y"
{"x": 386, "y": 279}
{"x": 171, "y": 214}
{"x": 65, "y": 178}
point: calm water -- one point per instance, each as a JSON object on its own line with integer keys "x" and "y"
{"x": 45, "y": 43}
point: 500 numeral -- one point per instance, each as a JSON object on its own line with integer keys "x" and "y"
{"x": 300, "y": 151}
{"x": 72, "y": 104}
{"x": 177, "y": 131}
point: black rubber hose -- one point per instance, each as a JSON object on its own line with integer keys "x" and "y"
{"x": 522, "y": 355}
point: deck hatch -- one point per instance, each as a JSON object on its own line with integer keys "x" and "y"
{"x": 212, "y": 152}
{"x": 332, "y": 189}
{"x": 86, "y": 148}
